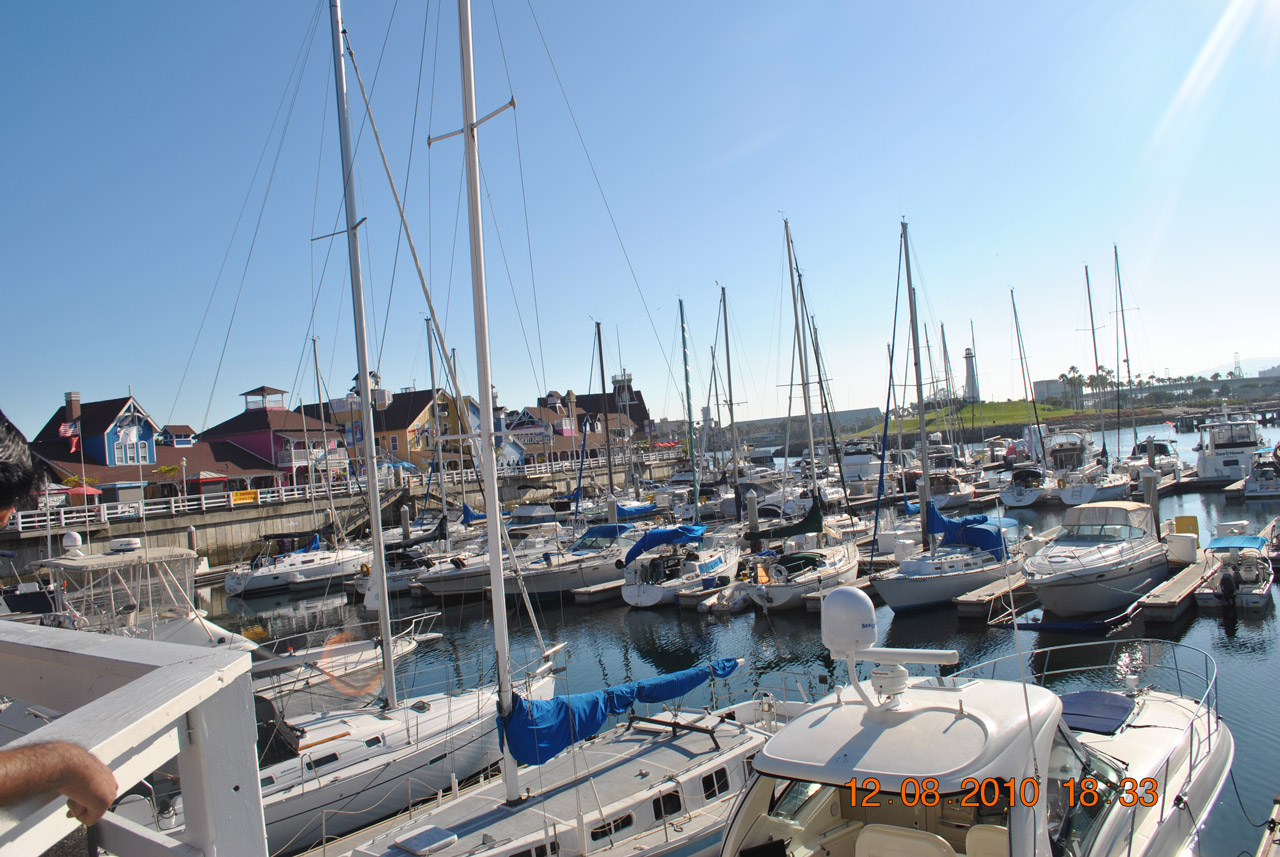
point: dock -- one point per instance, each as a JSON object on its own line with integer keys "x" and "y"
{"x": 599, "y": 593}
{"x": 1008, "y": 596}
{"x": 1270, "y": 844}
{"x": 813, "y": 600}
{"x": 1175, "y": 596}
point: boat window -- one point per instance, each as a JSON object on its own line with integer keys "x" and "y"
{"x": 715, "y": 783}
{"x": 609, "y": 828}
{"x": 266, "y": 781}
{"x": 792, "y": 799}
{"x": 374, "y": 741}
{"x": 1072, "y": 824}
{"x": 1089, "y": 534}
{"x": 749, "y": 764}
{"x": 539, "y": 851}
{"x": 667, "y": 804}
{"x": 312, "y": 764}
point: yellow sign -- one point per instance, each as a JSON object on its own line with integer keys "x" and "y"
{"x": 244, "y": 498}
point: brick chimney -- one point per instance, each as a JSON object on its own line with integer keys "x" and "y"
{"x": 72, "y": 411}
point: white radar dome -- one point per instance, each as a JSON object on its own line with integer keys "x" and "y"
{"x": 848, "y": 621}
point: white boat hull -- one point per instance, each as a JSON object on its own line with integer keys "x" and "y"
{"x": 1099, "y": 587}
{"x": 914, "y": 591}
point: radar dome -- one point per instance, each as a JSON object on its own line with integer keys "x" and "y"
{"x": 848, "y": 621}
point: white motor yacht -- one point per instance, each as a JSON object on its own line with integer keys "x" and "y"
{"x": 1121, "y": 753}
{"x": 1105, "y": 556}
{"x": 969, "y": 553}
{"x": 1263, "y": 482}
{"x": 1227, "y": 446}
{"x": 1240, "y": 573}
{"x": 1161, "y": 451}
{"x": 312, "y": 566}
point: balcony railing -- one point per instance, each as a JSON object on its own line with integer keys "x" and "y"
{"x": 135, "y": 704}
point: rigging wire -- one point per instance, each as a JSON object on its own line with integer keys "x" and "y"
{"x": 524, "y": 196}
{"x": 408, "y": 169}
{"x": 303, "y": 51}
{"x": 600, "y": 187}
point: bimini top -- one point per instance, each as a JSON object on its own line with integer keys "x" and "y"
{"x": 948, "y": 729}
{"x": 1112, "y": 513}
{"x": 1222, "y": 543}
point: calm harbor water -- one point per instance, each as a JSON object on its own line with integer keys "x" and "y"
{"x": 611, "y": 643}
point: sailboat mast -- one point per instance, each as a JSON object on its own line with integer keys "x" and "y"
{"x": 922, "y": 487}
{"x": 324, "y": 427}
{"x": 801, "y": 341}
{"x": 1128, "y": 368}
{"x": 733, "y": 423}
{"x": 688, "y": 403}
{"x": 604, "y": 411}
{"x": 484, "y": 389}
{"x": 437, "y": 453}
{"x": 378, "y": 579}
{"x": 1097, "y": 365}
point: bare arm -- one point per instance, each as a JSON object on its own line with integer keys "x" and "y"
{"x": 88, "y": 784}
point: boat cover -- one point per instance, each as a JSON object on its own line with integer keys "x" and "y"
{"x": 538, "y": 729}
{"x": 313, "y": 545}
{"x": 810, "y": 523}
{"x": 470, "y": 516}
{"x": 666, "y": 536}
{"x": 636, "y": 511}
{"x": 1223, "y": 543}
{"x": 1098, "y": 711}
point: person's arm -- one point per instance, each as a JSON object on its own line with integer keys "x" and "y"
{"x": 89, "y": 785}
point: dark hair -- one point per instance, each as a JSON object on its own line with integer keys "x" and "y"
{"x": 17, "y": 469}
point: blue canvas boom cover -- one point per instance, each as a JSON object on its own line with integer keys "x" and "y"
{"x": 980, "y": 531}
{"x": 470, "y": 516}
{"x": 638, "y": 511}
{"x": 538, "y": 729}
{"x": 666, "y": 536}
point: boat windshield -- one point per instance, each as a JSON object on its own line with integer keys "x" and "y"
{"x": 600, "y": 542}
{"x": 1093, "y": 534}
{"x": 1073, "y": 826}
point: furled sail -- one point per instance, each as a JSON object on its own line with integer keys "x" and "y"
{"x": 538, "y": 729}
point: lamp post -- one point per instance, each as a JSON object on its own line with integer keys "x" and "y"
{"x": 184, "y": 477}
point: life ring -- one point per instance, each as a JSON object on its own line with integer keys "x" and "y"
{"x": 1062, "y": 483}
{"x": 364, "y": 569}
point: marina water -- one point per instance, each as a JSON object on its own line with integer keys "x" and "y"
{"x": 611, "y": 643}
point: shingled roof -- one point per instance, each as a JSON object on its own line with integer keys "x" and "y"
{"x": 95, "y": 418}
{"x": 257, "y": 420}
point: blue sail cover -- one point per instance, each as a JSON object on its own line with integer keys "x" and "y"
{"x": 470, "y": 516}
{"x": 980, "y": 531}
{"x": 666, "y": 536}
{"x": 538, "y": 729}
{"x": 313, "y": 545}
{"x": 638, "y": 511}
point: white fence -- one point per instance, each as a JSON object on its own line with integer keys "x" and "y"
{"x": 84, "y": 517}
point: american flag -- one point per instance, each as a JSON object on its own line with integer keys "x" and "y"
{"x": 71, "y": 429}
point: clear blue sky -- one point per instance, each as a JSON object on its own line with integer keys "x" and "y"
{"x": 1019, "y": 140}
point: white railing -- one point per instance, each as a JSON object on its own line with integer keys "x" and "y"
{"x": 135, "y": 704}
{"x": 299, "y": 457}
{"x": 83, "y": 517}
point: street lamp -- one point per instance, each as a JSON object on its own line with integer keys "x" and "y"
{"x": 184, "y": 477}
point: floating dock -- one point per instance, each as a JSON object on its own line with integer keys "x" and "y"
{"x": 598, "y": 594}
{"x": 1270, "y": 844}
{"x": 1004, "y": 595}
{"x": 813, "y": 601}
{"x": 1172, "y": 598}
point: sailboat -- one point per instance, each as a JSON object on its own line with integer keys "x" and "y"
{"x": 601, "y": 795}
{"x": 338, "y": 771}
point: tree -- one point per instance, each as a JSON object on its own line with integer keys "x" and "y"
{"x": 1216, "y": 376}
{"x": 76, "y": 481}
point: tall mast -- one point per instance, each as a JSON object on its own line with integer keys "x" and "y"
{"x": 801, "y": 340}
{"x": 688, "y": 403}
{"x": 604, "y": 410}
{"x": 922, "y": 487}
{"x": 484, "y": 389}
{"x": 378, "y": 579}
{"x": 1128, "y": 368}
{"x": 975, "y": 402}
{"x": 1028, "y": 389}
{"x": 733, "y": 423}
{"x": 437, "y": 450}
{"x": 324, "y": 427}
{"x": 1097, "y": 365}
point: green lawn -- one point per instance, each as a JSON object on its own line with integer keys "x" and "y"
{"x": 987, "y": 414}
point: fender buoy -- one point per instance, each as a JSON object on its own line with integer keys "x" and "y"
{"x": 364, "y": 569}
{"x": 1062, "y": 483}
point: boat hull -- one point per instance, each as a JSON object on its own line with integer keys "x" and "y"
{"x": 915, "y": 591}
{"x": 1100, "y": 588}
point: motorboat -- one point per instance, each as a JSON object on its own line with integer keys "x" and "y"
{"x": 1093, "y": 750}
{"x": 1105, "y": 556}
{"x": 1028, "y": 485}
{"x": 1226, "y": 447}
{"x": 1240, "y": 573}
{"x": 1068, "y": 449}
{"x": 652, "y": 578}
{"x": 968, "y": 553}
{"x": 663, "y": 784}
{"x": 315, "y": 565}
{"x": 1263, "y": 481}
{"x": 731, "y": 596}
{"x": 1093, "y": 484}
{"x": 594, "y": 558}
{"x": 1162, "y": 452}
